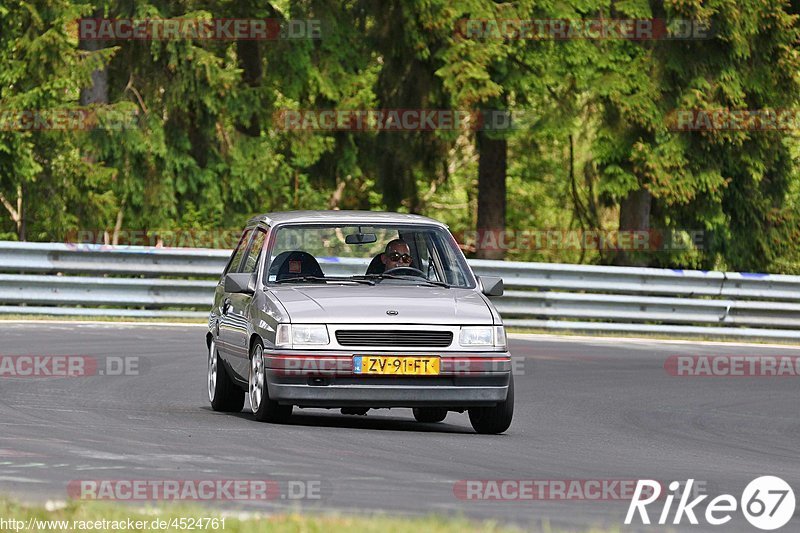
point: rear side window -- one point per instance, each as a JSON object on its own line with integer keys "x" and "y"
{"x": 236, "y": 257}
{"x": 254, "y": 252}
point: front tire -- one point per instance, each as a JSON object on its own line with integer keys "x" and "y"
{"x": 497, "y": 419}
{"x": 264, "y": 409}
{"x": 429, "y": 415}
{"x": 223, "y": 393}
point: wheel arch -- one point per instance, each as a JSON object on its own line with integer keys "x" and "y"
{"x": 254, "y": 338}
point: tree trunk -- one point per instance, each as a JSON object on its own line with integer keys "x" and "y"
{"x": 492, "y": 164}
{"x": 97, "y": 93}
{"x": 336, "y": 196}
{"x": 391, "y": 169}
{"x": 249, "y": 56}
{"x": 634, "y": 214}
{"x": 22, "y": 226}
{"x": 118, "y": 226}
{"x": 16, "y": 214}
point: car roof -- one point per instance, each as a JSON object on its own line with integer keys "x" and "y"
{"x": 348, "y": 217}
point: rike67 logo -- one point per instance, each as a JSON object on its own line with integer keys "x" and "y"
{"x": 767, "y": 502}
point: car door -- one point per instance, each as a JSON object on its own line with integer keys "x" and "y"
{"x": 238, "y": 328}
{"x": 222, "y": 299}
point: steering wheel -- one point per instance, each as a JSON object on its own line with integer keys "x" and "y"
{"x": 405, "y": 271}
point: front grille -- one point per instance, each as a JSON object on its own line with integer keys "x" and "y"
{"x": 436, "y": 339}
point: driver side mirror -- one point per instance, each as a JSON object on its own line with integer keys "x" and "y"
{"x": 240, "y": 283}
{"x": 490, "y": 286}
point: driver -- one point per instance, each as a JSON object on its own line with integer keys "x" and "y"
{"x": 396, "y": 255}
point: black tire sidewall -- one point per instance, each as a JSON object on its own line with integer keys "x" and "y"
{"x": 228, "y": 397}
{"x": 497, "y": 419}
{"x": 429, "y": 415}
{"x": 268, "y": 410}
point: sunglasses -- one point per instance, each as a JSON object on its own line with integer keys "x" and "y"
{"x": 396, "y": 257}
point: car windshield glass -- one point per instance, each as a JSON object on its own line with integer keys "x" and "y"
{"x": 425, "y": 255}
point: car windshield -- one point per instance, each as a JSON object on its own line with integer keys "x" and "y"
{"x": 350, "y": 254}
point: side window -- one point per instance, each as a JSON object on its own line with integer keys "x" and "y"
{"x": 236, "y": 257}
{"x": 433, "y": 263}
{"x": 254, "y": 252}
{"x": 447, "y": 261}
{"x": 427, "y": 256}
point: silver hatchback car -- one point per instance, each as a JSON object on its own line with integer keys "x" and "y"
{"x": 357, "y": 310}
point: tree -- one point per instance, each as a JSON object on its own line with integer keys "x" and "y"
{"x": 725, "y": 182}
{"x": 44, "y": 181}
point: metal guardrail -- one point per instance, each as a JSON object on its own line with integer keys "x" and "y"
{"x": 95, "y": 280}
{"x": 52, "y": 258}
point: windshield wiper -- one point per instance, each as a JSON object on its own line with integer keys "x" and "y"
{"x": 337, "y": 279}
{"x": 404, "y": 278}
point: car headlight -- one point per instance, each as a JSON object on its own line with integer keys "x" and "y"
{"x": 483, "y": 336}
{"x": 290, "y": 335}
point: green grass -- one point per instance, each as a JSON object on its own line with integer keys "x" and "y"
{"x": 252, "y": 523}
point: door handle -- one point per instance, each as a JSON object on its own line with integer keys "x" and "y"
{"x": 226, "y": 304}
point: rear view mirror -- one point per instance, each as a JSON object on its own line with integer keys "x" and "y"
{"x": 491, "y": 286}
{"x": 360, "y": 238}
{"x": 240, "y": 283}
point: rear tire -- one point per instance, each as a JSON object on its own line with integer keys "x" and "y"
{"x": 223, "y": 393}
{"x": 429, "y": 415}
{"x": 497, "y": 419}
{"x": 264, "y": 409}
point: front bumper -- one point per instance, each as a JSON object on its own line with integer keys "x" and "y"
{"x": 326, "y": 379}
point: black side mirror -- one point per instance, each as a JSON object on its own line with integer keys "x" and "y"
{"x": 490, "y": 286}
{"x": 240, "y": 283}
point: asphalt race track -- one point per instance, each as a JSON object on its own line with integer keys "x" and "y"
{"x": 586, "y": 409}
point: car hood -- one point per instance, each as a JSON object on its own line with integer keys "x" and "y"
{"x": 364, "y": 304}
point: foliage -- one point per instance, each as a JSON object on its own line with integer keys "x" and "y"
{"x": 201, "y": 145}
